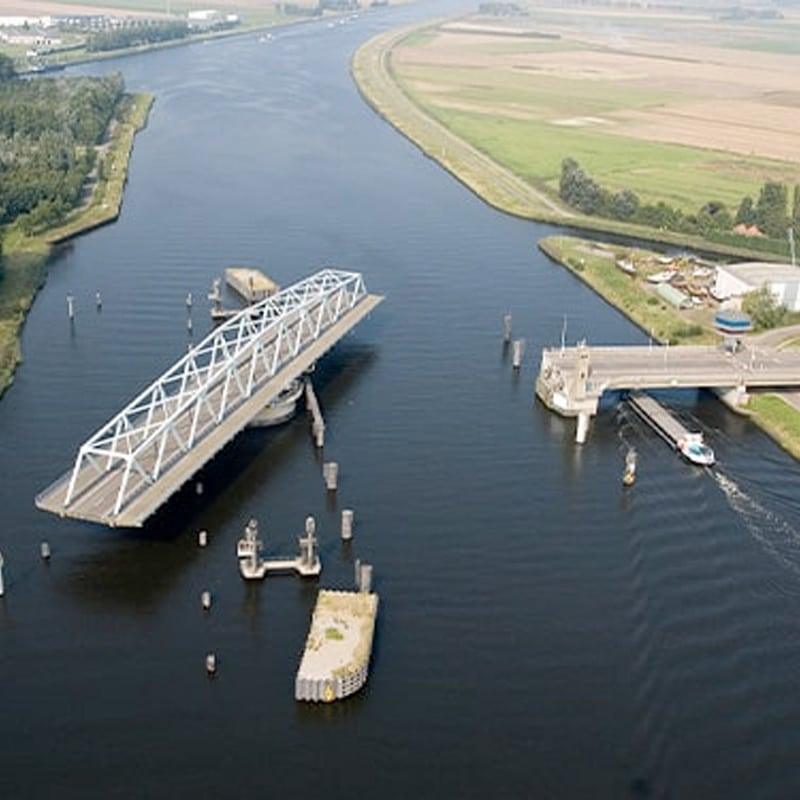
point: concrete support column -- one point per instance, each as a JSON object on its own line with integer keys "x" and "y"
{"x": 582, "y": 429}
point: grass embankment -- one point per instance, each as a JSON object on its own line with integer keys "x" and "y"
{"x": 22, "y": 271}
{"x": 467, "y": 121}
{"x": 595, "y": 265}
{"x": 778, "y": 419}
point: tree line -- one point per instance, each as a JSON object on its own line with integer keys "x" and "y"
{"x": 134, "y": 36}
{"x": 770, "y": 212}
{"x": 48, "y": 132}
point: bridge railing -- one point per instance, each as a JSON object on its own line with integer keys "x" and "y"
{"x": 212, "y": 379}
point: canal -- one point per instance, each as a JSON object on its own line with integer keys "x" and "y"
{"x": 541, "y": 633}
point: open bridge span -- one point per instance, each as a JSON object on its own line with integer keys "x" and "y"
{"x": 137, "y": 460}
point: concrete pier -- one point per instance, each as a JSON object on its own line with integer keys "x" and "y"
{"x": 253, "y": 567}
{"x": 279, "y": 410}
{"x": 317, "y": 421}
{"x": 336, "y": 658}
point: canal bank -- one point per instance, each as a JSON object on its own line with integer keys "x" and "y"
{"x": 25, "y": 256}
{"x": 500, "y": 187}
{"x": 546, "y": 633}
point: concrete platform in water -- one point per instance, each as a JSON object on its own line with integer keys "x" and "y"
{"x": 250, "y": 283}
{"x": 253, "y": 567}
{"x": 336, "y": 658}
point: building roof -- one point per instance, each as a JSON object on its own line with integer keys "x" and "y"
{"x": 757, "y": 273}
{"x": 672, "y": 295}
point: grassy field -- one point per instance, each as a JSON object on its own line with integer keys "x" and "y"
{"x": 597, "y": 268}
{"x": 529, "y": 103}
{"x": 24, "y": 259}
{"x": 777, "y": 418}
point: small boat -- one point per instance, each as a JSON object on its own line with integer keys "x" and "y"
{"x": 693, "y": 449}
{"x": 629, "y": 476}
{"x": 662, "y": 277}
{"x": 626, "y": 265}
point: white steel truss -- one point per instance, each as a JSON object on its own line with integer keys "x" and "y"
{"x": 212, "y": 380}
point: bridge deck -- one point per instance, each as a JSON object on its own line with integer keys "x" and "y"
{"x": 94, "y": 499}
{"x": 637, "y": 367}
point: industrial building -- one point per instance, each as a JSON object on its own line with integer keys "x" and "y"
{"x": 734, "y": 281}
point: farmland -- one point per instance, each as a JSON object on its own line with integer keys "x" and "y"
{"x": 679, "y": 124}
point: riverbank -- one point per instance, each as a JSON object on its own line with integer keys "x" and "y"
{"x": 24, "y": 257}
{"x": 279, "y": 21}
{"x": 372, "y": 69}
{"x": 596, "y": 265}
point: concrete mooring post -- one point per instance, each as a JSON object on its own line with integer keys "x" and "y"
{"x": 202, "y": 538}
{"x": 98, "y": 301}
{"x": 347, "y": 524}
{"x": 517, "y": 353}
{"x": 189, "y": 300}
{"x": 71, "y": 306}
{"x": 205, "y": 600}
{"x": 507, "y": 328}
{"x": 357, "y": 570}
{"x": 330, "y": 472}
{"x": 45, "y": 551}
{"x": 582, "y": 429}
{"x": 365, "y": 578}
{"x": 2, "y": 585}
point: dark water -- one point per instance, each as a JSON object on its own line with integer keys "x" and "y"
{"x": 541, "y": 634}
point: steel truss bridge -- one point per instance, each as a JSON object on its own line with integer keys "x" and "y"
{"x": 138, "y": 459}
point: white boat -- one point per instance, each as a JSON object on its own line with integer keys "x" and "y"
{"x": 626, "y": 265}
{"x": 693, "y": 449}
{"x": 662, "y": 277}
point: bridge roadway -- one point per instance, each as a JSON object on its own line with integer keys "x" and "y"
{"x": 116, "y": 495}
{"x": 686, "y": 366}
{"x": 571, "y": 380}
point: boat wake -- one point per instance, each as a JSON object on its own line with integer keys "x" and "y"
{"x": 775, "y": 534}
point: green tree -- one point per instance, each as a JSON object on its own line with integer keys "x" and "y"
{"x": 7, "y": 71}
{"x": 746, "y": 215}
{"x": 764, "y": 309}
{"x": 771, "y": 210}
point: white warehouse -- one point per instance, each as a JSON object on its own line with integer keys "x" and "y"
{"x": 734, "y": 281}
